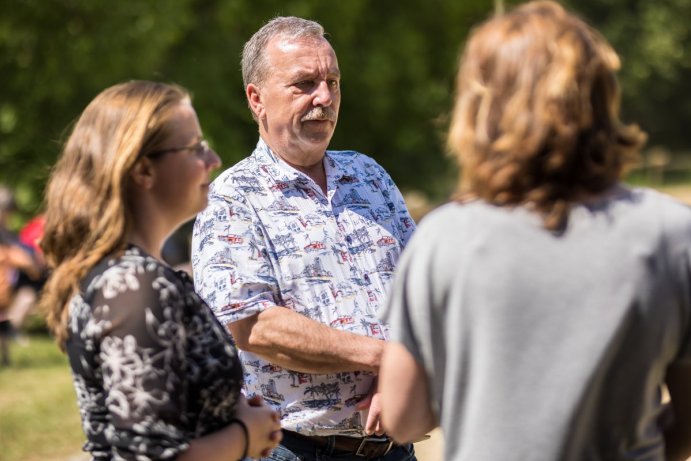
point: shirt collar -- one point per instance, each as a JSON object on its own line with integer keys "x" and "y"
{"x": 281, "y": 171}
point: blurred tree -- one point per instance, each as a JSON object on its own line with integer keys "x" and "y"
{"x": 653, "y": 39}
{"x": 398, "y": 61}
{"x": 55, "y": 55}
{"x": 397, "y": 69}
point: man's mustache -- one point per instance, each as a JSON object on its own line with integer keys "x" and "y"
{"x": 320, "y": 113}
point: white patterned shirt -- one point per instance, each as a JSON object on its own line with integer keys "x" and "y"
{"x": 270, "y": 236}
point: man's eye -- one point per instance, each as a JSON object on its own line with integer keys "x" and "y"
{"x": 334, "y": 83}
{"x": 305, "y": 84}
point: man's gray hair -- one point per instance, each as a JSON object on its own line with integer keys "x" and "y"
{"x": 254, "y": 62}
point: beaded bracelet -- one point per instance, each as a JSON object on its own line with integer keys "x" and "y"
{"x": 243, "y": 426}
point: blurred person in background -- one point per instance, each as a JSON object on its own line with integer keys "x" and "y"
{"x": 17, "y": 263}
{"x": 156, "y": 375}
{"x": 29, "y": 286}
{"x": 540, "y": 316}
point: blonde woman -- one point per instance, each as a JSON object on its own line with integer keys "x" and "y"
{"x": 539, "y": 316}
{"x": 156, "y": 376}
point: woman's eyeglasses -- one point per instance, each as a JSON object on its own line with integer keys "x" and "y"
{"x": 200, "y": 149}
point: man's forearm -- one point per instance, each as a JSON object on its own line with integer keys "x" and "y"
{"x": 298, "y": 343}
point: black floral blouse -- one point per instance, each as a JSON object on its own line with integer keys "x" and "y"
{"x": 152, "y": 367}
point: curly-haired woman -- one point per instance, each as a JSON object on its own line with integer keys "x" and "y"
{"x": 540, "y": 315}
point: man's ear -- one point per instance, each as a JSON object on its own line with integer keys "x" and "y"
{"x": 254, "y": 100}
{"x": 143, "y": 174}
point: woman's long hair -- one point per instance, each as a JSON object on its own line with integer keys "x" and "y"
{"x": 86, "y": 201}
{"x": 536, "y": 117}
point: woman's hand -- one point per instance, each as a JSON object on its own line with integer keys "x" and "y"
{"x": 263, "y": 425}
{"x": 263, "y": 435}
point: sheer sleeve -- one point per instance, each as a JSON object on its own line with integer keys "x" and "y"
{"x": 140, "y": 308}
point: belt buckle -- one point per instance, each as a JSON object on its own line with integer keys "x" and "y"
{"x": 366, "y": 440}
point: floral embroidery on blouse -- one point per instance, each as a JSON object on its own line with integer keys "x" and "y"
{"x": 152, "y": 367}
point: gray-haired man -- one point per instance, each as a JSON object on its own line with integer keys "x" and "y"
{"x": 296, "y": 250}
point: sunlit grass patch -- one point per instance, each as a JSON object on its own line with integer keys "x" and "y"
{"x": 39, "y": 418}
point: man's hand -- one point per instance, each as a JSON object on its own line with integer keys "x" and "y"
{"x": 371, "y": 406}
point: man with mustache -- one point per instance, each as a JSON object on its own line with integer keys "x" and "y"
{"x": 296, "y": 250}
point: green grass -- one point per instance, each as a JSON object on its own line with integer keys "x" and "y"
{"x": 39, "y": 418}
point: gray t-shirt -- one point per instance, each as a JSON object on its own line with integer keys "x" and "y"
{"x": 545, "y": 346}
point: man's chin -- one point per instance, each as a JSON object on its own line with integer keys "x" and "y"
{"x": 322, "y": 140}
{"x": 322, "y": 135}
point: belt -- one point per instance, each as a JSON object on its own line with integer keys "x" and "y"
{"x": 367, "y": 447}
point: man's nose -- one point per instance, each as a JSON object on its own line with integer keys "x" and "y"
{"x": 322, "y": 95}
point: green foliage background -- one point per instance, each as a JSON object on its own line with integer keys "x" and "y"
{"x": 398, "y": 60}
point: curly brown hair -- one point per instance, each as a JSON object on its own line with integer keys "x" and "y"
{"x": 536, "y": 117}
{"x": 86, "y": 201}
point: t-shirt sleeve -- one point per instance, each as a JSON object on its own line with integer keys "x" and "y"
{"x": 397, "y": 311}
{"x": 233, "y": 272}
{"x": 410, "y": 309}
{"x": 143, "y": 362}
